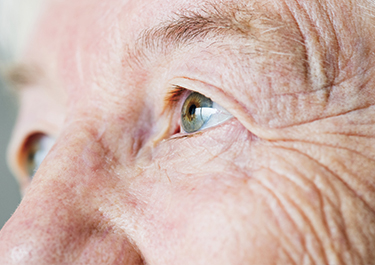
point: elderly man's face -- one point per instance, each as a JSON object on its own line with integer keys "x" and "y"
{"x": 190, "y": 132}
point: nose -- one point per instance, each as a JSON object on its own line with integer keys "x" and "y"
{"x": 61, "y": 219}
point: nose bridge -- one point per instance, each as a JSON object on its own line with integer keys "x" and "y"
{"x": 59, "y": 218}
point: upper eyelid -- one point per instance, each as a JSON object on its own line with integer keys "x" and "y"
{"x": 177, "y": 93}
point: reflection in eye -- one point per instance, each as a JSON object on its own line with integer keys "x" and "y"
{"x": 37, "y": 148}
{"x": 199, "y": 112}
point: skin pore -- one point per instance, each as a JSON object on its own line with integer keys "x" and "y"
{"x": 288, "y": 180}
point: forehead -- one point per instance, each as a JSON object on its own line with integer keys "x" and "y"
{"x": 75, "y": 24}
{"x": 73, "y": 40}
{"x": 76, "y": 40}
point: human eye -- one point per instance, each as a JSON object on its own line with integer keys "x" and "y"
{"x": 36, "y": 149}
{"x": 199, "y": 112}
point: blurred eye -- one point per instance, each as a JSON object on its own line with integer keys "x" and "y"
{"x": 37, "y": 147}
{"x": 199, "y": 112}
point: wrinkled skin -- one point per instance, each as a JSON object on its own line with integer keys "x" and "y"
{"x": 288, "y": 180}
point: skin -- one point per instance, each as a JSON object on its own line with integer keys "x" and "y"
{"x": 288, "y": 180}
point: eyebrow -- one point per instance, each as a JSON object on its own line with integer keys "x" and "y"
{"x": 20, "y": 75}
{"x": 212, "y": 21}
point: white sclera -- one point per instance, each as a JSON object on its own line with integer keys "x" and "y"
{"x": 213, "y": 116}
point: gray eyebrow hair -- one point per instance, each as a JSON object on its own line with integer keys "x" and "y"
{"x": 214, "y": 21}
{"x": 19, "y": 75}
{"x": 192, "y": 25}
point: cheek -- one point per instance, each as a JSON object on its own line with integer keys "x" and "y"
{"x": 196, "y": 198}
{"x": 198, "y": 216}
{"x": 219, "y": 217}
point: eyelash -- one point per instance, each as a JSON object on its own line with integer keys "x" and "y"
{"x": 175, "y": 96}
{"x": 173, "y": 102}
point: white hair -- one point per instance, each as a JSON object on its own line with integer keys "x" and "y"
{"x": 17, "y": 18}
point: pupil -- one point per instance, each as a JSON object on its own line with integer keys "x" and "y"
{"x": 192, "y": 110}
